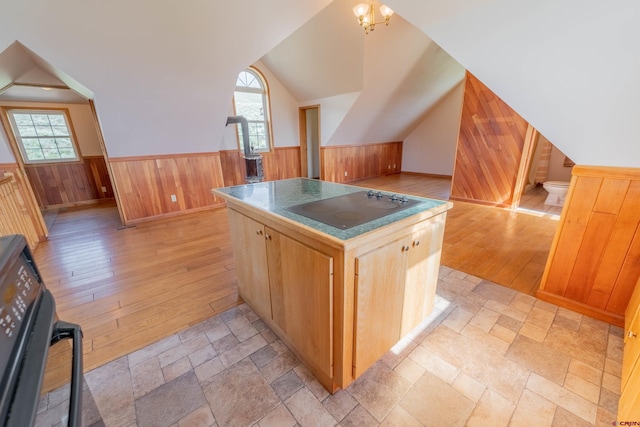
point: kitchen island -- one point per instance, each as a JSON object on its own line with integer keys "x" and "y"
{"x": 339, "y": 296}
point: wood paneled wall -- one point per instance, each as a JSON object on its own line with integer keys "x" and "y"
{"x": 281, "y": 163}
{"x": 359, "y": 161}
{"x": 14, "y": 215}
{"x": 594, "y": 261}
{"x": 490, "y": 146}
{"x": 27, "y": 198}
{"x": 145, "y": 184}
{"x": 68, "y": 184}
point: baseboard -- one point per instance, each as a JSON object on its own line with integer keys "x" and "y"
{"x": 427, "y": 175}
{"x": 479, "y": 202}
{"x": 587, "y": 310}
{"x": 173, "y": 214}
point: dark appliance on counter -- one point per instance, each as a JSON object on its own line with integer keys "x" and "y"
{"x": 27, "y": 330}
{"x": 353, "y": 209}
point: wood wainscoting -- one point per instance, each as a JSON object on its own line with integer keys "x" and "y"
{"x": 346, "y": 163}
{"x": 70, "y": 184}
{"x": 27, "y": 198}
{"x": 145, "y": 184}
{"x": 281, "y": 163}
{"x": 490, "y": 147}
{"x": 14, "y": 216}
{"x": 594, "y": 261}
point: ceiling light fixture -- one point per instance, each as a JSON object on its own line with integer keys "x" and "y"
{"x": 367, "y": 16}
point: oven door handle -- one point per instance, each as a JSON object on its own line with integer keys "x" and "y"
{"x": 64, "y": 330}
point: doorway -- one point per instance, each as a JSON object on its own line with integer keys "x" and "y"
{"x": 310, "y": 142}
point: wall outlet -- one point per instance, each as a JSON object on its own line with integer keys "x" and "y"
{"x": 394, "y": 165}
{"x": 174, "y": 198}
{"x": 345, "y": 173}
{"x": 388, "y": 166}
{"x": 104, "y": 189}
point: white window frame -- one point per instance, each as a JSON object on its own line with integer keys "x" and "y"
{"x": 264, "y": 90}
{"x": 20, "y": 138}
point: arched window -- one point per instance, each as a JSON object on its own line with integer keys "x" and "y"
{"x": 251, "y": 100}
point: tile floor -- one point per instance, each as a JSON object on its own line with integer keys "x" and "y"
{"x": 488, "y": 356}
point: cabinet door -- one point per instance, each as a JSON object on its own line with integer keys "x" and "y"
{"x": 380, "y": 279}
{"x": 629, "y": 405}
{"x": 249, "y": 252}
{"x": 422, "y": 274}
{"x": 302, "y": 297}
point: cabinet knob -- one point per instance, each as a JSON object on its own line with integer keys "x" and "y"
{"x": 267, "y": 237}
{"x": 259, "y": 232}
{"x": 416, "y": 243}
{"x": 632, "y": 334}
{"x": 405, "y": 248}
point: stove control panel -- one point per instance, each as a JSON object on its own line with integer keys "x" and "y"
{"x": 17, "y": 293}
{"x": 393, "y": 198}
{"x": 19, "y": 289}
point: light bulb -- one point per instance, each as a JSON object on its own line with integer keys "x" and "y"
{"x": 360, "y": 10}
{"x": 386, "y": 11}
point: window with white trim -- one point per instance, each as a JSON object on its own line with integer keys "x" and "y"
{"x": 43, "y": 136}
{"x": 251, "y": 100}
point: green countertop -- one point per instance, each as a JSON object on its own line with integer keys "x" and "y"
{"x": 275, "y": 196}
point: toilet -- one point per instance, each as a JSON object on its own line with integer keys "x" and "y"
{"x": 557, "y": 192}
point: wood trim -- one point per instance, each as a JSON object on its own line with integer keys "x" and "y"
{"x": 103, "y": 147}
{"x": 530, "y": 139}
{"x": 479, "y": 202}
{"x": 74, "y": 139}
{"x": 175, "y": 214}
{"x": 302, "y": 129}
{"x": 427, "y": 175}
{"x": 163, "y": 156}
{"x": 370, "y": 144}
{"x": 614, "y": 319}
{"x": 28, "y": 198}
{"x": 14, "y": 215}
{"x": 594, "y": 260}
{"x": 606, "y": 171}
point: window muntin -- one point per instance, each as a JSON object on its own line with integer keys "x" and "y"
{"x": 251, "y": 101}
{"x": 43, "y": 136}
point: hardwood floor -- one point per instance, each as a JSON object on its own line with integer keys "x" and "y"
{"x": 506, "y": 247}
{"x": 130, "y": 287}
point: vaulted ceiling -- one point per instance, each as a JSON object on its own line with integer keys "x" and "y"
{"x": 568, "y": 68}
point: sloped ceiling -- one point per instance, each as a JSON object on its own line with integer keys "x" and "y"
{"x": 322, "y": 58}
{"x": 396, "y": 72}
{"x": 162, "y": 73}
{"x": 570, "y": 68}
{"x": 31, "y": 79}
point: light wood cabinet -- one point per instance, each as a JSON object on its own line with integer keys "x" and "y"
{"x": 380, "y": 283}
{"x": 250, "y": 256}
{"x": 395, "y": 290}
{"x": 289, "y": 283}
{"x": 337, "y": 304}
{"x": 629, "y": 404}
{"x": 301, "y": 280}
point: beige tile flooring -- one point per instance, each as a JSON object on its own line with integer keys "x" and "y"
{"x": 487, "y": 356}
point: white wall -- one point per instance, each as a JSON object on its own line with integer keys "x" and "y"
{"x": 557, "y": 170}
{"x": 162, "y": 73}
{"x": 431, "y": 147}
{"x": 333, "y": 111}
{"x": 81, "y": 119}
{"x": 6, "y": 156}
{"x": 570, "y": 68}
{"x": 284, "y": 115}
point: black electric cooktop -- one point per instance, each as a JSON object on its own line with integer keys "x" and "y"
{"x": 353, "y": 209}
